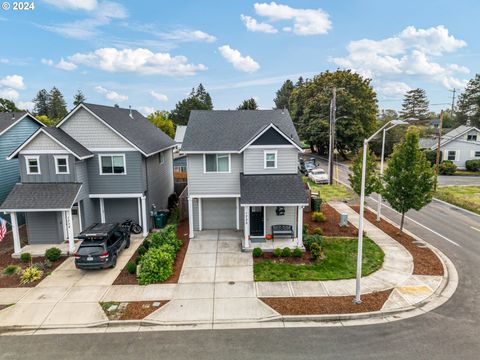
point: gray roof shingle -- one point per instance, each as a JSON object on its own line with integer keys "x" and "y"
{"x": 230, "y": 130}
{"x": 41, "y": 196}
{"x": 272, "y": 189}
{"x": 139, "y": 130}
{"x": 70, "y": 143}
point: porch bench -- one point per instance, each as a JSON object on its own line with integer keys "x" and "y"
{"x": 282, "y": 230}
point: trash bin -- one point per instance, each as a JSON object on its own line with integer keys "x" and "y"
{"x": 316, "y": 203}
{"x": 160, "y": 219}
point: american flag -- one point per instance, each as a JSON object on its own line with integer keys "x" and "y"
{"x": 3, "y": 228}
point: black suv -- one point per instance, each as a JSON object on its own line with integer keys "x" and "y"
{"x": 100, "y": 246}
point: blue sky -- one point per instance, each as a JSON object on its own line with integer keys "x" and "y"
{"x": 149, "y": 54}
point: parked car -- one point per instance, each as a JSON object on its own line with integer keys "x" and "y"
{"x": 301, "y": 167}
{"x": 309, "y": 166}
{"x": 318, "y": 176}
{"x": 100, "y": 246}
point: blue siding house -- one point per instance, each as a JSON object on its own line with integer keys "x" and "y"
{"x": 15, "y": 128}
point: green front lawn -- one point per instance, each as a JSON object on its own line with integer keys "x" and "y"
{"x": 340, "y": 263}
{"x": 467, "y": 197}
{"x": 336, "y": 192}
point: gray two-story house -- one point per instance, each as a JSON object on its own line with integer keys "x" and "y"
{"x": 242, "y": 173}
{"x": 99, "y": 164}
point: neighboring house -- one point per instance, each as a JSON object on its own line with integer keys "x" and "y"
{"x": 15, "y": 128}
{"x": 179, "y": 135}
{"x": 460, "y": 144}
{"x": 100, "y": 164}
{"x": 242, "y": 172}
{"x": 180, "y": 163}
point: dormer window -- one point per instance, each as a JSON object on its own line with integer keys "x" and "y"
{"x": 472, "y": 137}
{"x": 270, "y": 159}
{"x": 61, "y": 165}
{"x": 33, "y": 165}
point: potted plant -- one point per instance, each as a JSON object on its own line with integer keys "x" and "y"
{"x": 268, "y": 237}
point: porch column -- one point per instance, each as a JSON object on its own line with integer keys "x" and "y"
{"x": 246, "y": 227}
{"x": 102, "y": 210}
{"x": 71, "y": 243}
{"x": 80, "y": 220}
{"x": 16, "y": 235}
{"x": 139, "y": 206}
{"x": 238, "y": 212}
{"x": 143, "y": 200}
{"x": 200, "y": 218}
{"x": 300, "y": 227}
{"x": 190, "y": 217}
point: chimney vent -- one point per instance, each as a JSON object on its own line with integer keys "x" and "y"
{"x": 130, "y": 114}
{"x": 13, "y": 116}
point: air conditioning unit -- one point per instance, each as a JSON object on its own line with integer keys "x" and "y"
{"x": 343, "y": 219}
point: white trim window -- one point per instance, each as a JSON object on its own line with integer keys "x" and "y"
{"x": 33, "y": 165}
{"x": 270, "y": 159}
{"x": 61, "y": 165}
{"x": 476, "y": 154}
{"x": 112, "y": 164}
{"x": 216, "y": 163}
{"x": 452, "y": 155}
{"x": 471, "y": 137}
{"x": 161, "y": 158}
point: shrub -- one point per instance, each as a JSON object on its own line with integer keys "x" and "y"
{"x": 309, "y": 240}
{"x": 10, "y": 270}
{"x": 53, "y": 254}
{"x": 472, "y": 165}
{"x": 156, "y": 266}
{"x": 137, "y": 260}
{"x": 316, "y": 251}
{"x": 131, "y": 267}
{"x": 318, "y": 231}
{"x": 168, "y": 235}
{"x": 286, "y": 252}
{"x": 30, "y": 275}
{"x": 305, "y": 229}
{"x": 297, "y": 252}
{"x": 277, "y": 252}
{"x": 257, "y": 252}
{"x": 169, "y": 249}
{"x": 318, "y": 216}
{"x": 141, "y": 250}
{"x": 431, "y": 156}
{"x": 447, "y": 167}
{"x": 25, "y": 257}
{"x": 174, "y": 216}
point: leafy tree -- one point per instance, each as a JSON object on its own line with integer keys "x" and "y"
{"x": 249, "y": 104}
{"x": 7, "y": 105}
{"x": 282, "y": 97}
{"x": 57, "y": 108}
{"x": 409, "y": 176}
{"x": 356, "y": 109}
{"x": 415, "y": 105}
{"x": 372, "y": 180}
{"x": 161, "y": 120}
{"x": 199, "y": 99}
{"x": 41, "y": 103}
{"x": 44, "y": 119}
{"x": 469, "y": 103}
{"x": 78, "y": 98}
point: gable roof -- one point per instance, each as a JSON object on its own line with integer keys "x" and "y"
{"x": 456, "y": 133}
{"x": 137, "y": 130}
{"x": 232, "y": 130}
{"x": 275, "y": 189}
{"x": 10, "y": 119}
{"x": 61, "y": 138}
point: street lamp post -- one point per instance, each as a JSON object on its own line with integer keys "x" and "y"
{"x": 389, "y": 125}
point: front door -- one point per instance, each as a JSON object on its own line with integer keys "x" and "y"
{"x": 256, "y": 221}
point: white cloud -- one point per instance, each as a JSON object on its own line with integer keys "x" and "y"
{"x": 408, "y": 53}
{"x": 110, "y": 94}
{"x": 26, "y": 105}
{"x": 239, "y": 62}
{"x": 73, "y": 4}
{"x": 4, "y": 61}
{"x": 9, "y": 94}
{"x": 146, "y": 110}
{"x": 254, "y": 26}
{"x": 48, "y": 62}
{"x": 12, "y": 81}
{"x": 305, "y": 21}
{"x": 66, "y": 65}
{"x": 159, "y": 96}
{"x": 142, "y": 61}
{"x": 188, "y": 35}
{"x": 393, "y": 88}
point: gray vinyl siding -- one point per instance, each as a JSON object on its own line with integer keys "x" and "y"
{"x": 91, "y": 132}
{"x": 43, "y": 142}
{"x": 465, "y": 151}
{"x": 287, "y": 161}
{"x": 219, "y": 213}
{"x": 44, "y": 227}
{"x": 81, "y": 176}
{"x": 200, "y": 183}
{"x": 132, "y": 182}
{"x": 47, "y": 170}
{"x": 118, "y": 210}
{"x": 290, "y": 218}
{"x": 159, "y": 179}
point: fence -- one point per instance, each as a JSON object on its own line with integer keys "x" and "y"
{"x": 179, "y": 181}
{"x": 183, "y": 204}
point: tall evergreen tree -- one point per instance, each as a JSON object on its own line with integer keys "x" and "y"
{"x": 282, "y": 97}
{"x": 469, "y": 103}
{"x": 199, "y": 99}
{"x": 249, "y": 104}
{"x": 41, "y": 103}
{"x": 78, "y": 98}
{"x": 57, "y": 108}
{"x": 415, "y": 105}
{"x": 409, "y": 176}
{"x": 7, "y": 105}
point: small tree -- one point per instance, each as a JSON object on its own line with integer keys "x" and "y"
{"x": 78, "y": 98}
{"x": 161, "y": 120}
{"x": 415, "y": 105}
{"x": 249, "y": 104}
{"x": 7, "y": 106}
{"x": 409, "y": 176}
{"x": 372, "y": 180}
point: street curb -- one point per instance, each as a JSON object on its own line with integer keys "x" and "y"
{"x": 455, "y": 206}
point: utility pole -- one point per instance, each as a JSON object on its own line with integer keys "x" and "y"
{"x": 439, "y": 139}
{"x": 331, "y": 148}
{"x": 453, "y": 100}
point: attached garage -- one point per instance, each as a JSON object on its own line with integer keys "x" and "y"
{"x": 219, "y": 213}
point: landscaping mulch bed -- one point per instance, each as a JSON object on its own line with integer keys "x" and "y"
{"x": 305, "y": 259}
{"x": 134, "y": 310}
{"x": 425, "y": 262}
{"x": 125, "y": 278}
{"x": 328, "y": 304}
{"x": 331, "y": 226}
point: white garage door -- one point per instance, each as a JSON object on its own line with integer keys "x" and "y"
{"x": 219, "y": 213}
